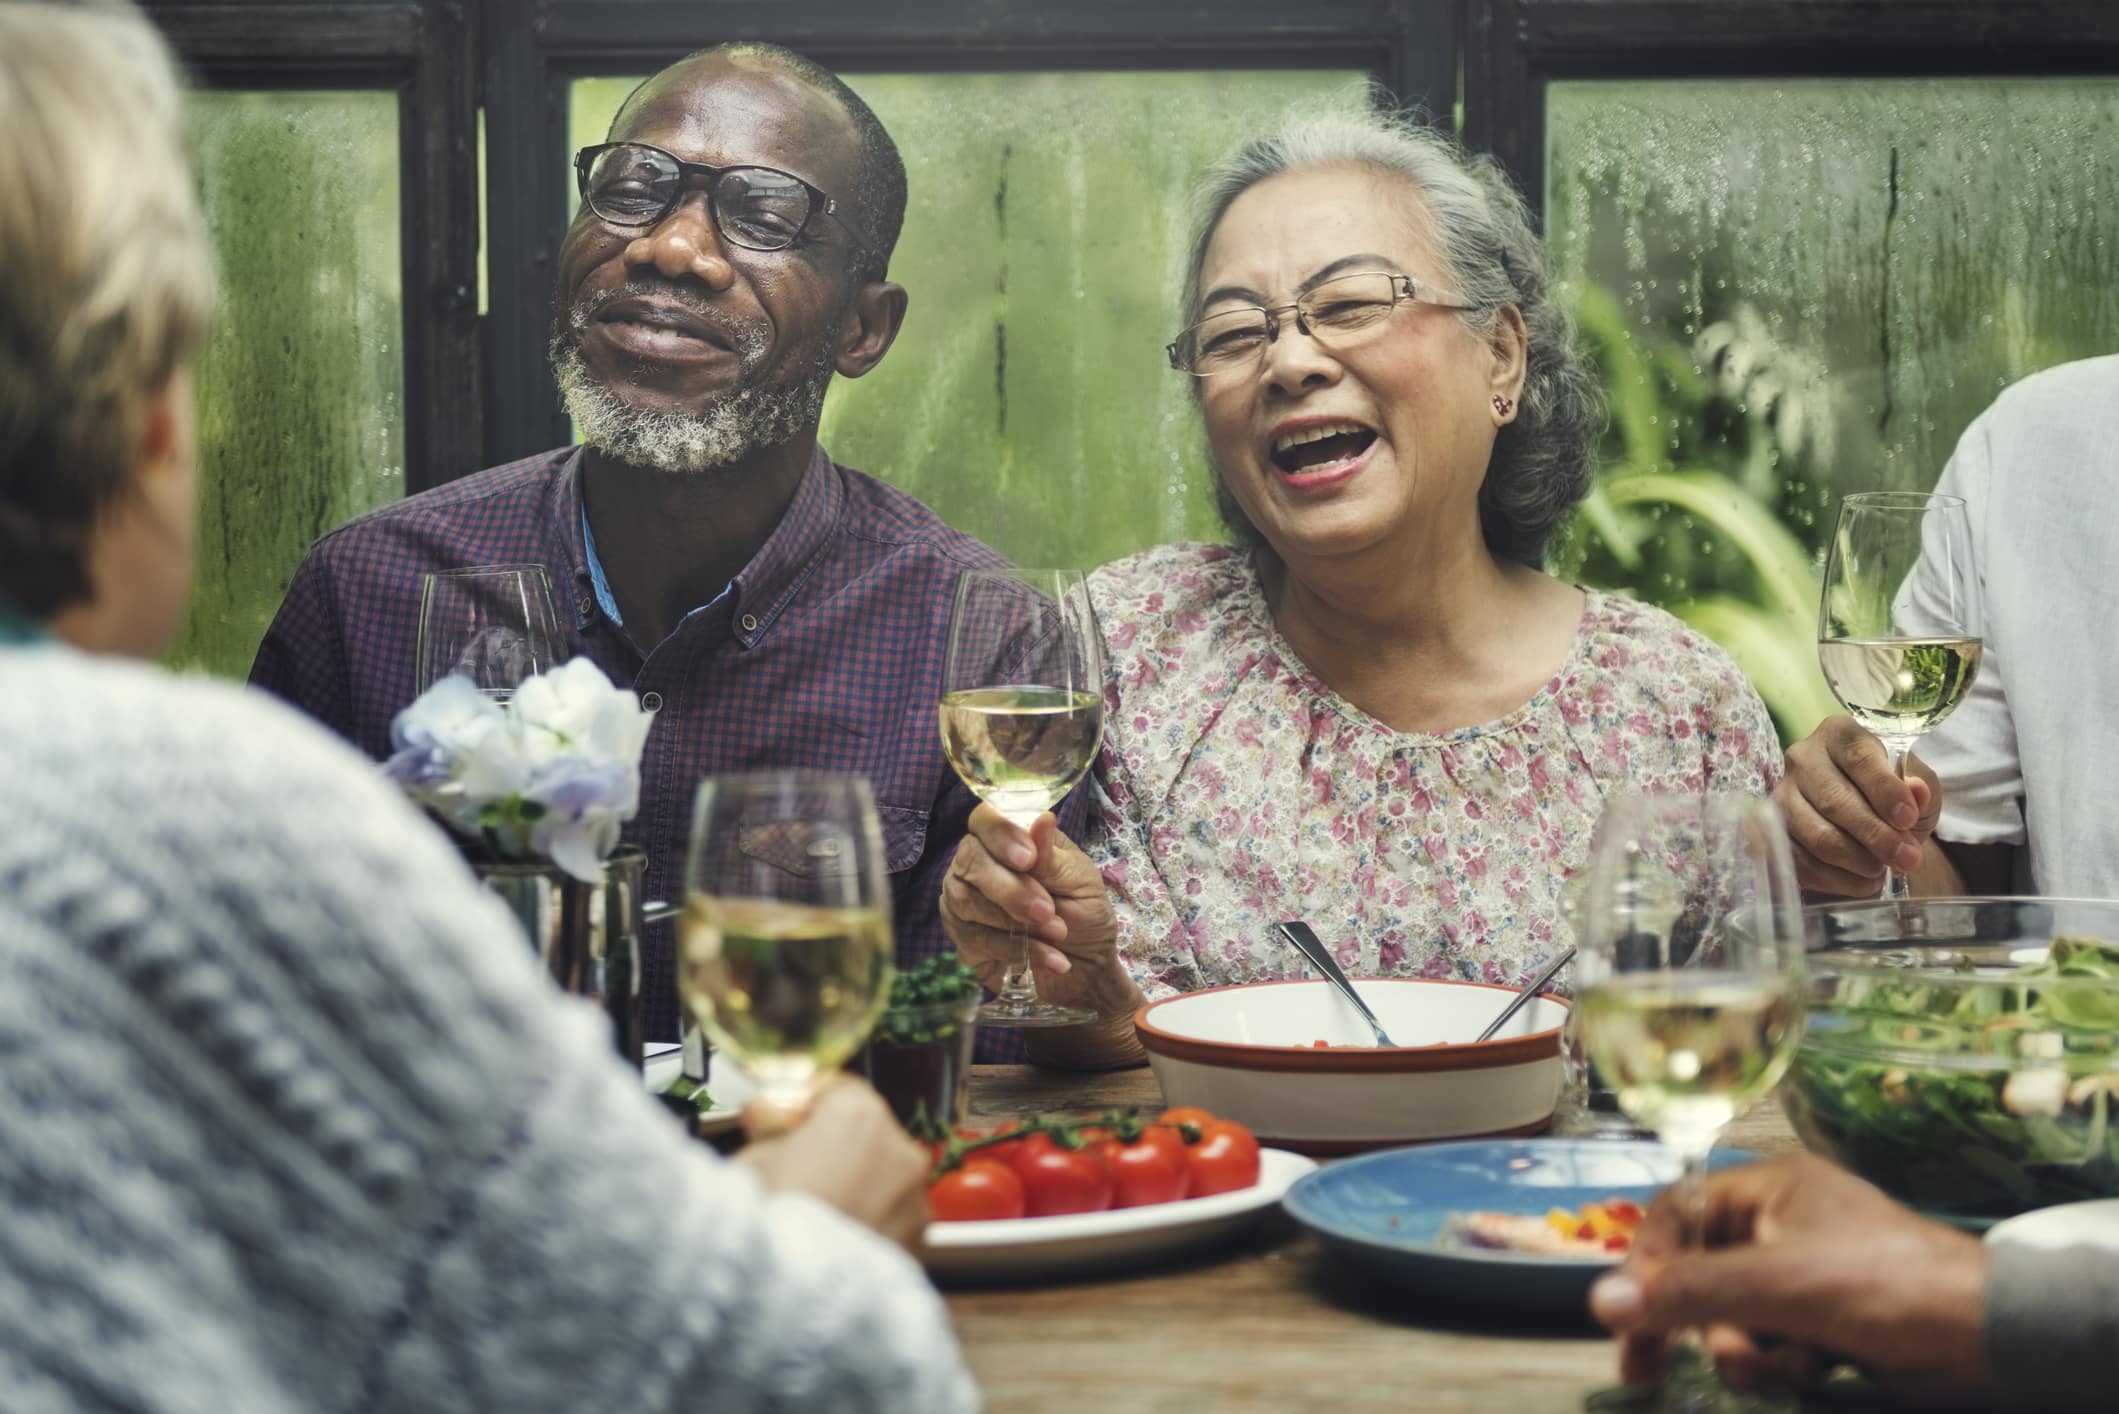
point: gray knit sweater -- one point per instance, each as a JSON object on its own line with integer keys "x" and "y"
{"x": 289, "y": 1119}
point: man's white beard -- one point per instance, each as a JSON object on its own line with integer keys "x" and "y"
{"x": 750, "y": 419}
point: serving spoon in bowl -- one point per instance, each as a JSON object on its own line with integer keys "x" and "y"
{"x": 1530, "y": 989}
{"x": 1306, "y": 942}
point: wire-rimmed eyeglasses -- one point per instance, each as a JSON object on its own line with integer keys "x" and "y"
{"x": 1336, "y": 313}
{"x": 632, "y": 184}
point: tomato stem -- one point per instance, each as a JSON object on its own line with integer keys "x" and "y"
{"x": 1127, "y": 1126}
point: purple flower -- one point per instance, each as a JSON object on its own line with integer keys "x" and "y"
{"x": 551, "y": 774}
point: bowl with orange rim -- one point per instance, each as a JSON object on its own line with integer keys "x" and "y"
{"x": 1295, "y": 1064}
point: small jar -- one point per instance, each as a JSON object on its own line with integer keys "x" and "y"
{"x": 919, "y": 1060}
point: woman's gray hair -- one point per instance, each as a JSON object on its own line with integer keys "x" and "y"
{"x": 1543, "y": 461}
{"x": 106, "y": 283}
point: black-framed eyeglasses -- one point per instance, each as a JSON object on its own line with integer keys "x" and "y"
{"x": 1336, "y": 313}
{"x": 631, "y": 184}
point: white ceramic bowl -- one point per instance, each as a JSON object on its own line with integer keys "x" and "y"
{"x": 1249, "y": 1053}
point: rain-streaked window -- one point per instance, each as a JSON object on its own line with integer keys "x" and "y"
{"x": 1801, "y": 289}
{"x": 1028, "y": 399}
{"x": 300, "y": 387}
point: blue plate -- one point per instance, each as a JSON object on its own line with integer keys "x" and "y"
{"x": 1387, "y": 1210}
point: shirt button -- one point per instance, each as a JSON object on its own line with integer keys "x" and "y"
{"x": 750, "y": 623}
{"x": 651, "y": 701}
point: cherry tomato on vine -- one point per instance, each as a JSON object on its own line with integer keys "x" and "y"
{"x": 1152, "y": 1169}
{"x": 937, "y": 1148}
{"x": 1057, "y": 1180}
{"x": 1224, "y": 1159}
{"x": 1005, "y": 1153}
{"x": 977, "y": 1191}
{"x": 1189, "y": 1114}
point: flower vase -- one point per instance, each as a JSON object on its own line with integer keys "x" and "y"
{"x": 586, "y": 935}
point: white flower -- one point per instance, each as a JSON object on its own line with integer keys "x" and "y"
{"x": 552, "y": 774}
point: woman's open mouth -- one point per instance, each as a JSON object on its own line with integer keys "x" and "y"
{"x": 1321, "y": 452}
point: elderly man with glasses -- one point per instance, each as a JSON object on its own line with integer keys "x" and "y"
{"x": 773, "y": 608}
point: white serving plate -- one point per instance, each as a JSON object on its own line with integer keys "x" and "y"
{"x": 2094, "y": 1223}
{"x": 728, "y": 1086}
{"x": 1022, "y": 1249}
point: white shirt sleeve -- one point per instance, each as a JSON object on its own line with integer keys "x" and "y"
{"x": 1973, "y": 752}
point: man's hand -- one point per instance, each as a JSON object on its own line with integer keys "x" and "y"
{"x": 1004, "y": 879}
{"x": 1804, "y": 1252}
{"x": 1849, "y": 817}
{"x": 849, "y": 1151}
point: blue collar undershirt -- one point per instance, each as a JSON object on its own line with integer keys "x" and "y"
{"x": 602, "y": 586}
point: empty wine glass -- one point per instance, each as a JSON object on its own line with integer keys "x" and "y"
{"x": 785, "y": 957}
{"x": 1690, "y": 937}
{"x": 1898, "y": 624}
{"x": 1022, "y": 717}
{"x": 494, "y": 625}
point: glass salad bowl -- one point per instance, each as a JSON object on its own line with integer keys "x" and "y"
{"x": 1963, "y": 1054}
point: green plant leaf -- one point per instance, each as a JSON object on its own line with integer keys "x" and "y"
{"x": 1778, "y": 558}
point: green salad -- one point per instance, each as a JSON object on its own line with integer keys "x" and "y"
{"x": 1969, "y": 1095}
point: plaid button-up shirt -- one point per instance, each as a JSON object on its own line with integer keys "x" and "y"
{"x": 826, "y": 653}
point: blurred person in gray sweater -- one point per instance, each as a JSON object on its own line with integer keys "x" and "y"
{"x": 292, "y": 1119}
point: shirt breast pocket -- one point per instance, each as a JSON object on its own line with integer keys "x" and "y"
{"x": 904, "y": 836}
{"x": 810, "y": 850}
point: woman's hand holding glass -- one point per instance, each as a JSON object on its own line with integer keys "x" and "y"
{"x": 1007, "y": 882}
{"x": 1022, "y": 716}
{"x": 847, "y": 1149}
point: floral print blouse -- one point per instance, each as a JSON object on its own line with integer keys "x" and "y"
{"x": 1238, "y": 790}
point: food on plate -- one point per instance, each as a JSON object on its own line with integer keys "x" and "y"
{"x": 1985, "y": 1098}
{"x": 1116, "y": 1160}
{"x": 1594, "y": 1230}
{"x": 1322, "y": 1045}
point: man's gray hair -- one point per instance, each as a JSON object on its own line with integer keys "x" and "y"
{"x": 1545, "y": 459}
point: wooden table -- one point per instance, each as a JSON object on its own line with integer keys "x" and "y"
{"x": 1275, "y": 1325}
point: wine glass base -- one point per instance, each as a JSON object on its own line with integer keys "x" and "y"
{"x": 1032, "y": 1015}
{"x": 1691, "y": 1386}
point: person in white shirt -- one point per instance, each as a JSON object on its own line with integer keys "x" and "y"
{"x": 2009, "y": 794}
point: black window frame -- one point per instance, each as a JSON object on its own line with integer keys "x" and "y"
{"x": 1515, "y": 48}
{"x": 425, "y": 51}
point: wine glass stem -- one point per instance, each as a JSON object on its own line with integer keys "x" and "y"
{"x": 1687, "y": 1397}
{"x": 1896, "y": 885}
{"x": 1018, "y": 986}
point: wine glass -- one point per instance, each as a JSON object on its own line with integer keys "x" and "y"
{"x": 785, "y": 947}
{"x": 1588, "y": 1106}
{"x": 494, "y": 625}
{"x": 1898, "y": 624}
{"x": 1022, "y": 717}
{"x": 1690, "y": 938}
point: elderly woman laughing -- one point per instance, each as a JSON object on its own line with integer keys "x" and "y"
{"x": 1374, "y": 712}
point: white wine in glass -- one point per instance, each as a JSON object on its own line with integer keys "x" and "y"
{"x": 1022, "y": 716}
{"x": 1898, "y": 624}
{"x": 785, "y": 953}
{"x": 1690, "y": 1009}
